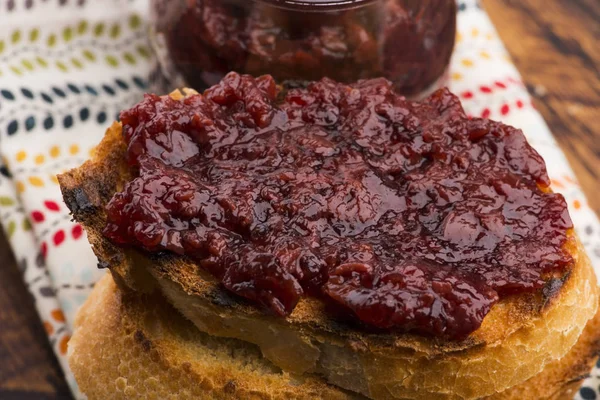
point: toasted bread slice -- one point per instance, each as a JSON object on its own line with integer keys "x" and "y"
{"x": 518, "y": 338}
{"x": 128, "y": 345}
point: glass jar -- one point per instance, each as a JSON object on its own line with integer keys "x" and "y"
{"x": 408, "y": 42}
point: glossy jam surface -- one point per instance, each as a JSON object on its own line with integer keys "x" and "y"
{"x": 397, "y": 214}
{"x": 407, "y": 41}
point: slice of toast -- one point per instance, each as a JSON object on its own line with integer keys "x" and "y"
{"x": 518, "y": 338}
{"x": 129, "y": 345}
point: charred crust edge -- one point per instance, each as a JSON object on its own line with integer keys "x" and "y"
{"x": 142, "y": 340}
{"x": 553, "y": 287}
{"x": 78, "y": 201}
{"x": 115, "y": 257}
{"x": 221, "y": 298}
{"x": 576, "y": 379}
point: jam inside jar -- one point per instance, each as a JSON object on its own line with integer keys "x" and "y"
{"x": 408, "y": 42}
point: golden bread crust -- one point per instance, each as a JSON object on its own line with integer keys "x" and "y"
{"x": 128, "y": 345}
{"x": 517, "y": 339}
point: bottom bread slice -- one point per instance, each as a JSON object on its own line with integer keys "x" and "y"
{"x": 128, "y": 345}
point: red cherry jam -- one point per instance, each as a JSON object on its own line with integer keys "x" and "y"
{"x": 404, "y": 215}
{"x": 407, "y": 41}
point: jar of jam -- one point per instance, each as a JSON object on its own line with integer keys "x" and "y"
{"x": 408, "y": 42}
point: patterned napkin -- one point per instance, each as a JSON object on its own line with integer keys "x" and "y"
{"x": 67, "y": 67}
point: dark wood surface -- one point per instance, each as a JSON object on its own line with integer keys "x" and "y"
{"x": 28, "y": 369}
{"x": 555, "y": 46}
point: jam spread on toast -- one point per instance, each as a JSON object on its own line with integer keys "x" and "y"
{"x": 400, "y": 215}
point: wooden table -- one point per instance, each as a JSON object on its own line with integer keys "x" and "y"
{"x": 554, "y": 44}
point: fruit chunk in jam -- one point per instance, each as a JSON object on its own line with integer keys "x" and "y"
{"x": 402, "y": 215}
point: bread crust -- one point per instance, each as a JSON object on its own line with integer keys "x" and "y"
{"x": 128, "y": 345}
{"x": 517, "y": 339}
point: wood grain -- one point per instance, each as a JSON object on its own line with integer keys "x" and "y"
{"x": 28, "y": 369}
{"x": 555, "y": 46}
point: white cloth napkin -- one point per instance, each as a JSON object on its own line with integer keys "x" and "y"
{"x": 67, "y": 67}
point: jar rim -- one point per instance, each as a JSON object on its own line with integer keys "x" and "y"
{"x": 318, "y": 5}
